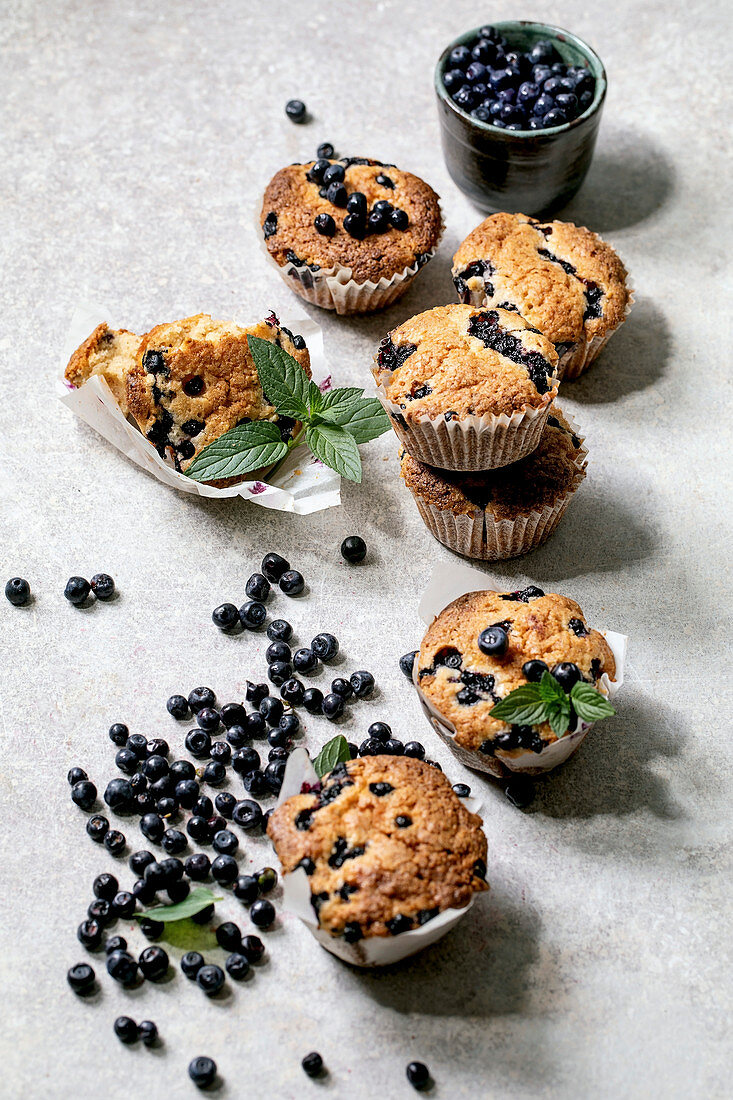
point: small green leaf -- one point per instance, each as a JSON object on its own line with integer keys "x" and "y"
{"x": 199, "y": 898}
{"x": 522, "y": 707}
{"x": 589, "y": 703}
{"x": 337, "y": 400}
{"x": 550, "y": 690}
{"x": 558, "y": 715}
{"x": 282, "y": 378}
{"x": 242, "y": 449}
{"x": 364, "y": 418}
{"x": 335, "y": 448}
{"x": 333, "y": 752}
{"x": 315, "y": 399}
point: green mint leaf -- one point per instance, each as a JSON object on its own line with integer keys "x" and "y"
{"x": 199, "y": 898}
{"x": 335, "y": 448}
{"x": 589, "y": 704}
{"x": 282, "y": 378}
{"x": 315, "y": 399}
{"x": 550, "y": 690}
{"x": 242, "y": 449}
{"x": 558, "y": 715}
{"x": 364, "y": 418}
{"x": 333, "y": 752}
{"x": 522, "y": 707}
{"x": 337, "y": 400}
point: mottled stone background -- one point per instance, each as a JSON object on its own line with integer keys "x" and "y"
{"x": 136, "y": 139}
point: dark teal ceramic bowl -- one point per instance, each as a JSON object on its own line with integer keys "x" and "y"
{"x": 521, "y": 171}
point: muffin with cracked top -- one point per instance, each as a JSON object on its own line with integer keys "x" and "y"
{"x": 386, "y": 845}
{"x": 467, "y": 388}
{"x": 195, "y": 379}
{"x": 349, "y": 234}
{"x": 462, "y": 671}
{"x": 499, "y": 514}
{"x": 109, "y": 354}
{"x": 561, "y": 277}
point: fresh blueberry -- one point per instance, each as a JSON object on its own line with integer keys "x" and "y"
{"x": 89, "y": 934}
{"x": 154, "y": 963}
{"x": 252, "y": 615}
{"x": 273, "y": 566}
{"x": 174, "y": 841}
{"x": 226, "y": 617}
{"x": 543, "y": 52}
{"x": 257, "y": 587}
{"x": 304, "y": 660}
{"x": 18, "y": 592}
{"x": 377, "y": 222}
{"x": 415, "y": 749}
{"x": 84, "y": 794}
{"x": 398, "y": 219}
{"x": 312, "y": 1064}
{"x": 247, "y": 814}
{"x": 191, "y": 963}
{"x": 460, "y": 56}
{"x": 279, "y": 630}
{"x": 292, "y": 582}
{"x": 76, "y": 591}
{"x": 567, "y": 102}
{"x": 556, "y": 117}
{"x": 534, "y": 670}
{"x": 295, "y": 110}
{"x": 325, "y": 646}
{"x": 100, "y": 911}
{"x": 208, "y": 719}
{"x": 225, "y": 842}
{"x": 182, "y": 769}
{"x": 333, "y": 705}
{"x": 221, "y": 753}
{"x": 335, "y": 173}
{"x": 493, "y": 641}
{"x": 202, "y": 1070}
{"x": 201, "y": 697}
{"x": 278, "y": 651}
{"x": 393, "y": 747}
{"x": 363, "y": 683}
{"x": 272, "y": 710}
{"x": 115, "y": 842}
{"x": 325, "y": 150}
{"x": 152, "y": 929}
{"x": 262, "y": 913}
{"x": 125, "y": 1029}
{"x": 288, "y": 726}
{"x": 380, "y": 731}
{"x": 152, "y": 827}
{"x": 147, "y": 1032}
{"x": 103, "y": 586}
{"x": 520, "y": 791}
{"x": 224, "y": 869}
{"x": 138, "y": 861}
{"x": 203, "y": 806}
{"x": 198, "y": 743}
{"x": 542, "y": 105}
{"x": 342, "y": 687}
{"x": 246, "y": 889}
{"x": 237, "y": 966}
{"x": 97, "y": 827}
{"x": 481, "y": 113}
{"x": 177, "y": 706}
{"x": 407, "y": 663}
{"x": 353, "y": 548}
{"x": 326, "y": 226}
{"x": 315, "y": 175}
{"x": 355, "y": 226}
{"x": 418, "y": 1074}
{"x": 357, "y": 204}
{"x": 313, "y": 700}
{"x": 253, "y": 948}
{"x": 81, "y": 978}
{"x": 198, "y": 867}
{"x": 255, "y": 693}
{"x": 245, "y": 761}
{"x": 122, "y": 967}
{"x": 567, "y": 674}
{"x": 105, "y": 886}
{"x": 461, "y": 789}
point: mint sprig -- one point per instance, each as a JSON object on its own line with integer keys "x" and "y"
{"x": 198, "y": 899}
{"x": 331, "y": 424}
{"x": 547, "y": 701}
{"x": 335, "y": 751}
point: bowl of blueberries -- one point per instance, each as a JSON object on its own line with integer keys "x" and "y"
{"x": 519, "y": 105}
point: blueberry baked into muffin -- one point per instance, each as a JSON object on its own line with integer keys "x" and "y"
{"x": 195, "y": 379}
{"x": 386, "y": 844}
{"x": 108, "y": 353}
{"x": 561, "y": 277}
{"x": 349, "y": 234}
{"x": 499, "y": 514}
{"x": 483, "y": 646}
{"x": 467, "y": 388}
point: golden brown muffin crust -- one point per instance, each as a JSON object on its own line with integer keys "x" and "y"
{"x": 555, "y": 468}
{"x": 562, "y": 301}
{"x": 296, "y": 202}
{"x": 547, "y": 628}
{"x": 458, "y": 366}
{"x": 385, "y": 839}
{"x": 107, "y": 352}
{"x": 213, "y": 358}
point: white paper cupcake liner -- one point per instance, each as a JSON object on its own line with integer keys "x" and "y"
{"x": 371, "y": 951}
{"x": 470, "y": 443}
{"x": 301, "y": 485}
{"x": 333, "y": 288}
{"x": 446, "y": 585}
{"x": 479, "y": 536}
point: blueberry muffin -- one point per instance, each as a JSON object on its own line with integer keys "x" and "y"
{"x": 459, "y": 682}
{"x": 561, "y": 277}
{"x": 349, "y": 234}
{"x": 467, "y": 388}
{"x": 108, "y": 353}
{"x": 195, "y": 379}
{"x": 499, "y": 514}
{"x": 386, "y": 845}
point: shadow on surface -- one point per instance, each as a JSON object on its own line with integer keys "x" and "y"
{"x": 629, "y": 180}
{"x": 634, "y": 358}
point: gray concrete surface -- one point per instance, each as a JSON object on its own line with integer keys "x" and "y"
{"x": 136, "y": 139}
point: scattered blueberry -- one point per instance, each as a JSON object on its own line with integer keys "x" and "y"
{"x": 201, "y": 697}
{"x": 115, "y": 842}
{"x": 262, "y": 913}
{"x": 295, "y": 110}
{"x": 304, "y": 660}
{"x": 313, "y": 1064}
{"x": 407, "y": 662}
{"x": 363, "y": 684}
{"x": 147, "y": 1032}
{"x": 257, "y": 587}
{"x": 81, "y": 978}
{"x": 237, "y": 966}
{"x": 292, "y": 582}
{"x": 177, "y": 706}
{"x": 97, "y": 826}
{"x": 226, "y": 617}
{"x": 210, "y": 978}
{"x": 462, "y": 789}
{"x": 272, "y": 710}
{"x": 253, "y": 948}
{"x": 520, "y": 791}
{"x": 76, "y": 591}
{"x": 279, "y": 630}
{"x": 118, "y": 733}
{"x": 125, "y": 1029}
{"x": 154, "y": 963}
{"x": 353, "y": 549}
{"x": 342, "y": 687}
{"x": 325, "y": 151}
{"x": 325, "y": 646}
{"x": 252, "y": 615}
{"x": 103, "y": 586}
{"x": 18, "y": 592}
{"x": 84, "y": 794}
{"x": 191, "y": 963}
{"x": 418, "y": 1074}
{"x": 123, "y": 968}
{"x": 273, "y": 567}
{"x": 224, "y": 869}
{"x": 198, "y": 867}
{"x": 313, "y": 700}
{"x": 415, "y": 749}
{"x": 333, "y": 705}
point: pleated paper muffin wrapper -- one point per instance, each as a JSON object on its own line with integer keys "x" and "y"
{"x": 471, "y": 443}
{"x": 371, "y": 951}
{"x": 446, "y": 585}
{"x": 479, "y": 536}
{"x": 333, "y": 287}
{"x": 301, "y": 485}
{"x": 578, "y": 357}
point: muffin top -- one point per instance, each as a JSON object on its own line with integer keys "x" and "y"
{"x": 386, "y": 843}
{"x": 195, "y": 379}
{"x": 455, "y": 361}
{"x": 556, "y": 467}
{"x": 463, "y": 682}
{"x": 371, "y": 246}
{"x": 109, "y": 353}
{"x": 561, "y": 277}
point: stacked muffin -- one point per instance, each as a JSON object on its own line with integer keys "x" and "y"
{"x": 491, "y": 462}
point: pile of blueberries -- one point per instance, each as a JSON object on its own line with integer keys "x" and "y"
{"x": 516, "y": 91}
{"x": 359, "y": 220}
